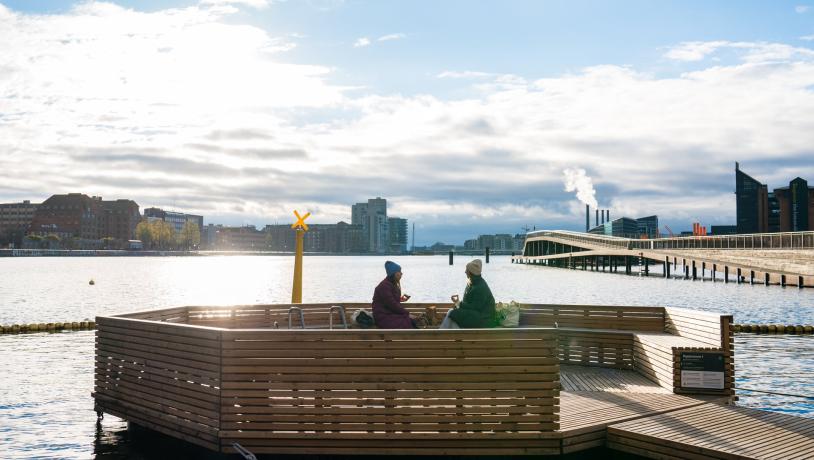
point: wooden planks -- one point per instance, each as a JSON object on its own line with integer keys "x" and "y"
{"x": 581, "y": 379}
{"x": 593, "y": 317}
{"x": 584, "y": 416}
{"x": 162, "y": 376}
{"x": 716, "y": 431}
{"x": 378, "y": 392}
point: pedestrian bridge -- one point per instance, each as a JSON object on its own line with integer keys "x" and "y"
{"x": 785, "y": 259}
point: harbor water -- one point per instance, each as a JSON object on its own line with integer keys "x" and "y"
{"x": 45, "y": 406}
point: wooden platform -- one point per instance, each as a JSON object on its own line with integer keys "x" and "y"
{"x": 214, "y": 376}
{"x": 594, "y": 398}
{"x": 716, "y": 431}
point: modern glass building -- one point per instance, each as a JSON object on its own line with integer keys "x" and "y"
{"x": 752, "y": 202}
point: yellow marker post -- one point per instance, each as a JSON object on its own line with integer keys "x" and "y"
{"x": 300, "y": 227}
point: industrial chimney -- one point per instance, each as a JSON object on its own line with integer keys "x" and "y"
{"x": 602, "y": 213}
{"x": 596, "y": 219}
{"x": 607, "y": 219}
{"x": 587, "y": 217}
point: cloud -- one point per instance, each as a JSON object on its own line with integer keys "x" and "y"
{"x": 745, "y": 51}
{"x": 361, "y": 42}
{"x": 259, "y": 4}
{"x": 800, "y": 9}
{"x": 807, "y": 38}
{"x": 191, "y": 106}
{"x": 389, "y": 37}
{"x": 365, "y": 41}
{"x": 464, "y": 74}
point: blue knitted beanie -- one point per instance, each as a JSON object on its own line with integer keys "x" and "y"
{"x": 391, "y": 268}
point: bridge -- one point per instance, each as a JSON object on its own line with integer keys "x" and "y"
{"x": 785, "y": 259}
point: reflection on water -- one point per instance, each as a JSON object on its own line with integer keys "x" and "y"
{"x": 45, "y": 406}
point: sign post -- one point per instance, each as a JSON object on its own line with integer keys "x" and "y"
{"x": 300, "y": 227}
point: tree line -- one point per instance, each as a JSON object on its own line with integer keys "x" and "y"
{"x": 158, "y": 234}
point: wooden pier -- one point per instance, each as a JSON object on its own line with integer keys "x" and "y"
{"x": 215, "y": 376}
{"x": 770, "y": 259}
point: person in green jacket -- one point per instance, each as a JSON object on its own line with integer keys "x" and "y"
{"x": 477, "y": 309}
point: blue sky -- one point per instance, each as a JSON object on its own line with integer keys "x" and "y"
{"x": 464, "y": 114}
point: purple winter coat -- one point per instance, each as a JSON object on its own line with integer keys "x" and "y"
{"x": 387, "y": 310}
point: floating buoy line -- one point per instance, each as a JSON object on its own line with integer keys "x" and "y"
{"x": 798, "y": 329}
{"x": 47, "y": 327}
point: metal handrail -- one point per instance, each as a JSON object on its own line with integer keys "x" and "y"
{"x": 341, "y": 315}
{"x": 302, "y": 316}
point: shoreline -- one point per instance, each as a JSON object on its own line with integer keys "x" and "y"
{"x": 160, "y": 253}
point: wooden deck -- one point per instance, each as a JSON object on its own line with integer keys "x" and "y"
{"x": 716, "y": 431}
{"x": 594, "y": 398}
{"x": 213, "y": 376}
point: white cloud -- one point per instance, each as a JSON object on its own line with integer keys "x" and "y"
{"x": 807, "y": 38}
{"x": 389, "y": 37}
{"x": 746, "y": 51}
{"x": 361, "y": 42}
{"x": 259, "y": 4}
{"x": 800, "y": 9}
{"x": 693, "y": 51}
{"x": 464, "y": 74}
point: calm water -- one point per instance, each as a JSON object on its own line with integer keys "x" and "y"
{"x": 46, "y": 379}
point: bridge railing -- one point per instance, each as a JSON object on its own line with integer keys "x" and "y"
{"x": 782, "y": 240}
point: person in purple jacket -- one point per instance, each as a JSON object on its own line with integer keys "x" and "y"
{"x": 387, "y": 310}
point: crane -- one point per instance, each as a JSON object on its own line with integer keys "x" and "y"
{"x": 668, "y": 230}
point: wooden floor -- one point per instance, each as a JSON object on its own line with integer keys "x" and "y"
{"x": 593, "y": 398}
{"x": 716, "y": 431}
{"x": 579, "y": 378}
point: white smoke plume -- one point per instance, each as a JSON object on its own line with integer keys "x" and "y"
{"x": 576, "y": 180}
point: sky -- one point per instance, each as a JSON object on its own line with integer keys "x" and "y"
{"x": 468, "y": 117}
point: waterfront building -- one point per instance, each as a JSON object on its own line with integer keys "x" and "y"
{"x": 648, "y": 227}
{"x": 397, "y": 231}
{"x": 774, "y": 213}
{"x": 624, "y": 227}
{"x": 176, "y": 219}
{"x": 246, "y": 238}
{"x": 796, "y": 204}
{"x": 718, "y": 230}
{"x": 752, "y": 203}
{"x": 68, "y": 216}
{"x": 372, "y": 216}
{"x": 15, "y": 219}
{"x": 339, "y": 238}
{"x": 119, "y": 219}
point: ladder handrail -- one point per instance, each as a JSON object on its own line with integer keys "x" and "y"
{"x": 341, "y": 315}
{"x": 302, "y": 316}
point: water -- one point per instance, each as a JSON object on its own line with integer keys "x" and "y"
{"x": 45, "y": 406}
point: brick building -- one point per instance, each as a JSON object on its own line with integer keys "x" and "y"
{"x": 68, "y": 216}
{"x": 15, "y": 219}
{"x": 119, "y": 219}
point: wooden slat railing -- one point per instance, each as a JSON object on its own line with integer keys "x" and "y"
{"x": 491, "y": 392}
{"x": 161, "y": 376}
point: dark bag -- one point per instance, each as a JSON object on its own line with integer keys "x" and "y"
{"x": 363, "y": 319}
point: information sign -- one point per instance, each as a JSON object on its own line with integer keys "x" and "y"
{"x": 702, "y": 370}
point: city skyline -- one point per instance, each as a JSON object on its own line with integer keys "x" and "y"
{"x": 464, "y": 116}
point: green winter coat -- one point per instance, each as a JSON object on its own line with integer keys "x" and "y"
{"x": 477, "y": 309}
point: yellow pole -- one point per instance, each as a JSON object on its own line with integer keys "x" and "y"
{"x": 296, "y": 291}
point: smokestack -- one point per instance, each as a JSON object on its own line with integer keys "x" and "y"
{"x": 602, "y": 213}
{"x": 608, "y": 211}
{"x": 587, "y": 217}
{"x": 596, "y": 219}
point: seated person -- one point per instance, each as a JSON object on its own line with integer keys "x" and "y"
{"x": 387, "y": 310}
{"x": 477, "y": 309}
